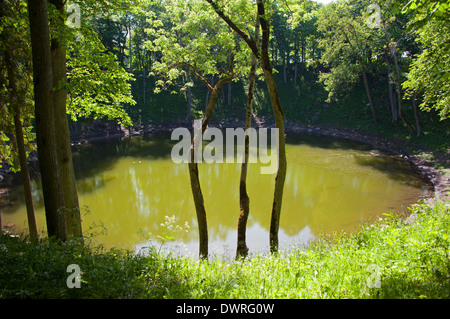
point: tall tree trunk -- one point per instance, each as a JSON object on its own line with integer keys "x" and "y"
{"x": 263, "y": 55}
{"x": 369, "y": 97}
{"x": 144, "y": 79}
{"x": 44, "y": 118}
{"x": 229, "y": 94}
{"x": 295, "y": 65}
{"x": 398, "y": 82}
{"x": 193, "y": 165}
{"x": 303, "y": 56}
{"x": 416, "y": 113}
{"x": 64, "y": 151}
{"x": 189, "y": 100}
{"x": 244, "y": 200}
{"x": 284, "y": 68}
{"x": 279, "y": 123}
{"x": 391, "y": 93}
{"x": 131, "y": 48}
{"x": 365, "y": 81}
{"x": 399, "y": 94}
{"x": 21, "y": 148}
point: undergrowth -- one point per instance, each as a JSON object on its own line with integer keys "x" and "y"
{"x": 385, "y": 259}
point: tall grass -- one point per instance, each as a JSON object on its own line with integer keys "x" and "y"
{"x": 386, "y": 259}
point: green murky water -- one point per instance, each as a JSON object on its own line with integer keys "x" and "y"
{"x": 129, "y": 186}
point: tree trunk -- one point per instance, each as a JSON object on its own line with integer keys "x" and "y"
{"x": 416, "y": 113}
{"x": 279, "y": 123}
{"x": 144, "y": 80}
{"x": 189, "y": 100}
{"x": 295, "y": 65}
{"x": 229, "y": 94}
{"x": 208, "y": 92}
{"x": 303, "y": 56}
{"x": 276, "y": 107}
{"x": 193, "y": 170}
{"x": 399, "y": 95}
{"x": 45, "y": 133}
{"x": 391, "y": 93}
{"x": 244, "y": 200}
{"x": 369, "y": 97}
{"x": 63, "y": 147}
{"x": 131, "y": 49}
{"x": 366, "y": 83}
{"x": 398, "y": 82}
{"x": 21, "y": 148}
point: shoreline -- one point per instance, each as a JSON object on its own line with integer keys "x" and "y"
{"x": 425, "y": 161}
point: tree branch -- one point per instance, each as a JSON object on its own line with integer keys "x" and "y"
{"x": 197, "y": 74}
{"x": 251, "y": 42}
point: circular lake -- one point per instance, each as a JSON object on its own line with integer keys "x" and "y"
{"x": 129, "y": 187}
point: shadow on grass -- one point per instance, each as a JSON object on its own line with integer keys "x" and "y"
{"x": 400, "y": 286}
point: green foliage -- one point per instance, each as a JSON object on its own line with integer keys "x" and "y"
{"x": 14, "y": 34}
{"x": 429, "y": 73}
{"x": 189, "y": 35}
{"x": 410, "y": 260}
{"x": 43, "y": 271}
{"x": 348, "y": 45}
{"x": 98, "y": 86}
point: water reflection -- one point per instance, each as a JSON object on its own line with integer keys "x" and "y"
{"x": 130, "y": 186}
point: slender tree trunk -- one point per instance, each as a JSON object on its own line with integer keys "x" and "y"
{"x": 199, "y": 207}
{"x": 208, "y": 92}
{"x": 229, "y": 94}
{"x": 263, "y": 55}
{"x": 144, "y": 80}
{"x": 399, "y": 95}
{"x": 295, "y": 65}
{"x": 131, "y": 49}
{"x": 365, "y": 81}
{"x": 398, "y": 82}
{"x": 416, "y": 113}
{"x": 369, "y": 97}
{"x": 391, "y": 93}
{"x": 44, "y": 118}
{"x": 21, "y": 148}
{"x": 189, "y": 100}
{"x": 279, "y": 123}
{"x": 303, "y": 56}
{"x": 193, "y": 169}
{"x": 244, "y": 200}
{"x": 284, "y": 68}
{"x": 64, "y": 151}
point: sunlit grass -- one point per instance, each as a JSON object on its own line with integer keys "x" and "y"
{"x": 386, "y": 259}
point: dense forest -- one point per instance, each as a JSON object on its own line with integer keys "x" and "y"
{"x": 74, "y": 68}
{"x": 118, "y": 58}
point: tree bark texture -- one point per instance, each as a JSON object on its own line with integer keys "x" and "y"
{"x": 263, "y": 56}
{"x": 279, "y": 124}
{"x": 244, "y": 200}
{"x": 193, "y": 166}
{"x": 45, "y": 133}
{"x": 63, "y": 147}
{"x": 32, "y": 228}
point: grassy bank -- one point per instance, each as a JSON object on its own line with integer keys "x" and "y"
{"x": 387, "y": 259}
